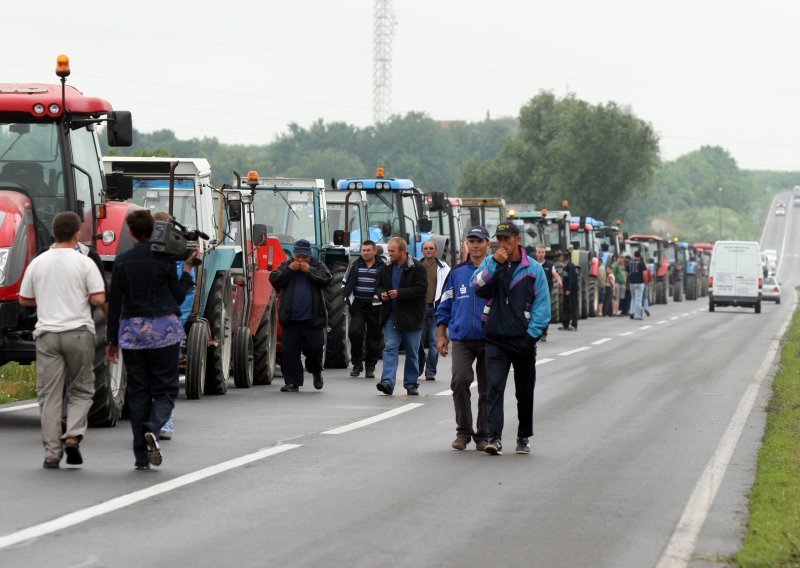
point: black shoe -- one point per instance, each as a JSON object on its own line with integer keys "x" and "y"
{"x": 145, "y": 467}
{"x": 357, "y": 368}
{"x": 494, "y": 447}
{"x": 523, "y": 446}
{"x": 50, "y": 464}
{"x": 153, "y": 451}
{"x": 73, "y": 452}
{"x": 318, "y": 381}
{"x": 412, "y": 391}
{"x": 290, "y": 388}
{"x": 385, "y": 388}
{"x": 370, "y": 374}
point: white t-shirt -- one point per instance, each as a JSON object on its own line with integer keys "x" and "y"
{"x": 61, "y": 281}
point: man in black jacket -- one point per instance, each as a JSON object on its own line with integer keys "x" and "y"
{"x": 402, "y": 285}
{"x": 302, "y": 315}
{"x": 570, "y": 283}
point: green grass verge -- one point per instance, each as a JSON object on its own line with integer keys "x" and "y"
{"x": 773, "y": 531}
{"x": 17, "y": 382}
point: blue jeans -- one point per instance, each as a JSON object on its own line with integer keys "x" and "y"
{"x": 430, "y": 337}
{"x": 637, "y": 290}
{"x": 391, "y": 348}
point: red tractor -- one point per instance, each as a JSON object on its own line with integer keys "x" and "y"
{"x": 49, "y": 163}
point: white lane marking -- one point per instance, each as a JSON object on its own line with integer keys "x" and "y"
{"x": 373, "y": 419}
{"x": 684, "y": 315}
{"x": 645, "y": 327}
{"x": 662, "y": 321}
{"x": 83, "y": 515}
{"x": 20, "y": 407}
{"x": 578, "y": 350}
{"x": 601, "y": 341}
{"x": 681, "y": 545}
{"x": 543, "y": 361}
{"x": 626, "y": 333}
{"x": 673, "y": 318}
{"x": 448, "y": 392}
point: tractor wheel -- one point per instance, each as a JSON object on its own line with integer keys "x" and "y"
{"x": 691, "y": 287}
{"x": 677, "y": 289}
{"x": 758, "y": 307}
{"x": 594, "y": 297}
{"x": 555, "y": 316}
{"x": 337, "y": 344}
{"x": 711, "y": 305}
{"x": 243, "y": 358}
{"x": 661, "y": 292}
{"x": 109, "y": 379}
{"x": 265, "y": 345}
{"x": 218, "y": 314}
{"x": 196, "y": 353}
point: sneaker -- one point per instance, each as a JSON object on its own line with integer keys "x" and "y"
{"x": 494, "y": 447}
{"x": 357, "y": 368}
{"x": 290, "y": 388}
{"x": 153, "y": 451}
{"x": 460, "y": 443}
{"x": 318, "y": 381}
{"x": 480, "y": 445}
{"x": 384, "y": 387}
{"x": 573, "y": 328}
{"x": 164, "y": 435}
{"x": 370, "y": 374}
{"x": 523, "y": 446}
{"x": 412, "y": 391}
{"x": 145, "y": 467}
{"x": 50, "y": 464}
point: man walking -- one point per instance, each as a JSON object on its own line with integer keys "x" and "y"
{"x": 437, "y": 271}
{"x": 636, "y": 270}
{"x": 459, "y": 313}
{"x": 359, "y": 286}
{"x": 402, "y": 285}
{"x": 569, "y": 319}
{"x": 518, "y": 304}
{"x": 63, "y": 285}
{"x": 551, "y": 274}
{"x": 302, "y": 314}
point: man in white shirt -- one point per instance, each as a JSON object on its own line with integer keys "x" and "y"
{"x": 63, "y": 285}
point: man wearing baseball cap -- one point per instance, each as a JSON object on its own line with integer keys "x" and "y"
{"x": 517, "y": 311}
{"x": 460, "y": 313}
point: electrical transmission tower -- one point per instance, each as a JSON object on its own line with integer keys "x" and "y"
{"x": 382, "y": 60}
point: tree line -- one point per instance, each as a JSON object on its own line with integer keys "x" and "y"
{"x": 601, "y": 158}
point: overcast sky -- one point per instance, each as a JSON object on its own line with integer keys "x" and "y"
{"x": 716, "y": 72}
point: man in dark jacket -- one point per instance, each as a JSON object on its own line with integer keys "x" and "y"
{"x": 569, "y": 280}
{"x": 302, "y": 315}
{"x": 359, "y": 292}
{"x": 402, "y": 285}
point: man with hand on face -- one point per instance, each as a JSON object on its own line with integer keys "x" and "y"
{"x": 402, "y": 284}
{"x": 302, "y": 313}
{"x": 517, "y": 311}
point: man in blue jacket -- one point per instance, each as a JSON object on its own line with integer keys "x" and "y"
{"x": 516, "y": 313}
{"x": 460, "y": 312}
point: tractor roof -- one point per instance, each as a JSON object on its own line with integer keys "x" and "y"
{"x": 21, "y": 97}
{"x": 368, "y": 184}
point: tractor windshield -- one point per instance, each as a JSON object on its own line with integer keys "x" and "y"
{"x": 288, "y": 214}
{"x": 531, "y": 237}
{"x": 551, "y": 233}
{"x": 336, "y": 215}
{"x": 383, "y": 219}
{"x": 153, "y": 195}
{"x": 488, "y": 216}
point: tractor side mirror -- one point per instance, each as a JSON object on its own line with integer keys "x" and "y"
{"x": 425, "y": 225}
{"x": 119, "y": 187}
{"x": 437, "y": 200}
{"x": 386, "y": 229}
{"x": 119, "y": 128}
{"x": 576, "y": 245}
{"x": 259, "y": 235}
{"x": 235, "y": 211}
{"x": 341, "y": 238}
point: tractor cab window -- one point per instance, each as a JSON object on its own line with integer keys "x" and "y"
{"x": 86, "y": 154}
{"x": 531, "y": 237}
{"x": 670, "y": 254}
{"x": 289, "y": 215}
{"x": 551, "y": 234}
{"x": 382, "y": 215}
{"x": 336, "y": 221}
{"x": 153, "y": 195}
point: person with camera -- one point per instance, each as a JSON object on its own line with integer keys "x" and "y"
{"x": 144, "y": 321}
{"x": 302, "y": 314}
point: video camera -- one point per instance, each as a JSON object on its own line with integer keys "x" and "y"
{"x": 173, "y": 239}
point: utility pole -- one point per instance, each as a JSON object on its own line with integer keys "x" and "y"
{"x": 382, "y": 60}
{"x": 719, "y": 209}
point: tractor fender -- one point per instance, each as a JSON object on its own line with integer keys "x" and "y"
{"x": 271, "y": 254}
{"x": 262, "y": 295}
{"x": 216, "y": 260}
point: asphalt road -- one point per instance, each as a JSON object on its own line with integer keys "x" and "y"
{"x": 629, "y": 416}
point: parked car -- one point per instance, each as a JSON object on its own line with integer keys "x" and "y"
{"x": 771, "y": 291}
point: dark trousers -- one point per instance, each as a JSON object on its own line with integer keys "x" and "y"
{"x": 151, "y": 391}
{"x": 299, "y": 339}
{"x": 607, "y": 299}
{"x": 464, "y": 355}
{"x": 498, "y": 362}
{"x": 365, "y": 324}
{"x": 570, "y": 315}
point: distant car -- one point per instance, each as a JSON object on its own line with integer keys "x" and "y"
{"x": 781, "y": 204}
{"x": 771, "y": 255}
{"x": 780, "y": 211}
{"x": 771, "y": 291}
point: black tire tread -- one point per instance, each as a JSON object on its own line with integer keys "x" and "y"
{"x": 337, "y": 349}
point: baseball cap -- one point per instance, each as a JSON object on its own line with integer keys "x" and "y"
{"x": 506, "y": 229}
{"x": 302, "y": 247}
{"x": 478, "y": 231}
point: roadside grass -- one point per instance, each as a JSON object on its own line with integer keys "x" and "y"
{"x": 773, "y": 531}
{"x": 17, "y": 382}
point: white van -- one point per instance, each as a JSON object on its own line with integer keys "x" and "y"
{"x": 735, "y": 277}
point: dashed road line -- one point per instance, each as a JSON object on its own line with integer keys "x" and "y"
{"x": 578, "y": 350}
{"x": 20, "y": 407}
{"x": 686, "y": 314}
{"x": 673, "y": 318}
{"x": 543, "y": 361}
{"x": 662, "y": 321}
{"x": 83, "y": 515}
{"x": 645, "y": 327}
{"x": 626, "y": 333}
{"x": 601, "y": 341}
{"x": 373, "y": 419}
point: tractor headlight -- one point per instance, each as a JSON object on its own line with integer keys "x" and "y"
{"x": 109, "y": 236}
{"x": 3, "y": 260}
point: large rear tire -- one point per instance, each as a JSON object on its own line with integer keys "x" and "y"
{"x": 594, "y": 297}
{"x": 196, "y": 353}
{"x": 555, "y": 316}
{"x": 677, "y": 295}
{"x": 691, "y": 287}
{"x": 265, "y": 346}
{"x": 243, "y": 358}
{"x": 337, "y": 344}
{"x": 109, "y": 379}
{"x": 218, "y": 314}
{"x": 661, "y": 292}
